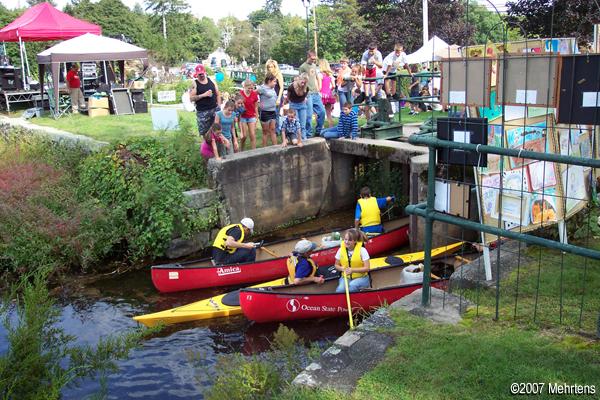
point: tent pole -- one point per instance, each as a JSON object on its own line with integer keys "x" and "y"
{"x": 26, "y": 63}
{"x": 24, "y": 76}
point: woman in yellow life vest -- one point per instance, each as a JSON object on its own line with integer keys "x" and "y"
{"x": 353, "y": 259}
{"x": 301, "y": 268}
{"x": 367, "y": 216}
{"x": 229, "y": 246}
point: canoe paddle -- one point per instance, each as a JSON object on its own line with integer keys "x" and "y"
{"x": 350, "y": 317}
{"x": 269, "y": 252}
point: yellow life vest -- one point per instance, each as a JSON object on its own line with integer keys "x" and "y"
{"x": 221, "y": 238}
{"x": 291, "y": 266}
{"x": 369, "y": 212}
{"x": 355, "y": 261}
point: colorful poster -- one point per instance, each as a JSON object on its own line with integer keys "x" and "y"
{"x": 544, "y": 207}
{"x": 532, "y": 138}
{"x": 541, "y": 175}
{"x": 573, "y": 180}
{"x": 490, "y": 190}
{"x": 515, "y": 182}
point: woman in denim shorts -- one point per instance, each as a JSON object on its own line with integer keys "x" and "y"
{"x": 248, "y": 118}
{"x": 268, "y": 109}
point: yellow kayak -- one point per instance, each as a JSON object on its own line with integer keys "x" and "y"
{"x": 227, "y": 304}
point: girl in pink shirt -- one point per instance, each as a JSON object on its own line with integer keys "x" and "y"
{"x": 327, "y": 86}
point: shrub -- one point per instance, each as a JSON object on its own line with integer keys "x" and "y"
{"x": 43, "y": 221}
{"x": 138, "y": 178}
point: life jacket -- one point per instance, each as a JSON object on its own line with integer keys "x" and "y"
{"x": 291, "y": 266}
{"x": 221, "y": 238}
{"x": 355, "y": 261}
{"x": 369, "y": 212}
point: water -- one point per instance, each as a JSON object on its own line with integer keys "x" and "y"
{"x": 161, "y": 368}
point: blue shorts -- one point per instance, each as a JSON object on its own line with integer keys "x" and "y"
{"x": 248, "y": 120}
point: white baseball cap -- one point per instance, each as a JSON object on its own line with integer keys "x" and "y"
{"x": 304, "y": 246}
{"x": 248, "y": 223}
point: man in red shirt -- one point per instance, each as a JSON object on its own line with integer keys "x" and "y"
{"x": 74, "y": 85}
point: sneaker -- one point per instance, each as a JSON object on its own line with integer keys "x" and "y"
{"x": 411, "y": 113}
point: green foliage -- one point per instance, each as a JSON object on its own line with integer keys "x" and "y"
{"x": 137, "y": 178}
{"x": 261, "y": 376}
{"x": 373, "y": 174}
{"x": 291, "y": 47}
{"x": 41, "y": 358}
{"x": 44, "y": 222}
{"x": 244, "y": 378}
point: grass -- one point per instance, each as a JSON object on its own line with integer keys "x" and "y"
{"x": 564, "y": 282}
{"x": 475, "y": 360}
{"x": 120, "y": 127}
{"x": 480, "y": 358}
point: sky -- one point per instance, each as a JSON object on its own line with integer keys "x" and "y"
{"x": 204, "y": 8}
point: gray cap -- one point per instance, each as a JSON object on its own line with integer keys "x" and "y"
{"x": 304, "y": 246}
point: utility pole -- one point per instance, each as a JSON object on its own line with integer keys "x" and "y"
{"x": 315, "y": 27}
{"x": 425, "y": 23}
{"x": 259, "y": 29}
{"x": 306, "y": 4}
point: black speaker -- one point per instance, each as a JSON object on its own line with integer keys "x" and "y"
{"x": 137, "y": 94}
{"x": 140, "y": 107}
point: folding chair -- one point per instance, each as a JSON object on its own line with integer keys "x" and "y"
{"x": 63, "y": 106}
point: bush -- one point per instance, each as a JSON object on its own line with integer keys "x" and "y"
{"x": 138, "y": 179}
{"x": 63, "y": 208}
{"x": 44, "y": 223}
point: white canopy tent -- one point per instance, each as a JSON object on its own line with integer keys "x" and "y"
{"x": 86, "y": 48}
{"x": 434, "y": 50}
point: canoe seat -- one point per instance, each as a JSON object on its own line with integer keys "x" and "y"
{"x": 381, "y": 278}
{"x": 232, "y": 299}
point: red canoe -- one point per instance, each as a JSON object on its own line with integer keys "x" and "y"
{"x": 290, "y": 302}
{"x": 203, "y": 274}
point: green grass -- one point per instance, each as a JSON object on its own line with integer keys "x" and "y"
{"x": 120, "y": 127}
{"x": 110, "y": 128}
{"x": 480, "y": 358}
{"x": 555, "y": 304}
{"x": 476, "y": 360}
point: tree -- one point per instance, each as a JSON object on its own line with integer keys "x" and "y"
{"x": 32, "y": 3}
{"x": 290, "y": 47}
{"x": 206, "y": 37}
{"x": 241, "y": 42}
{"x": 389, "y": 21}
{"x": 273, "y": 7}
{"x": 555, "y": 18}
{"x": 162, "y": 8}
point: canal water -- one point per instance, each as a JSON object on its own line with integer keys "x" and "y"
{"x": 162, "y": 367}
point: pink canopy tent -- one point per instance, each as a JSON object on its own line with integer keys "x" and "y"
{"x": 41, "y": 23}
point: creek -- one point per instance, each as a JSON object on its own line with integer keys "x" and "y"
{"x": 162, "y": 367}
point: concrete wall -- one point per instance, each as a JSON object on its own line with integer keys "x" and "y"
{"x": 277, "y": 185}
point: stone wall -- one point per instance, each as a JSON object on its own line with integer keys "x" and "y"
{"x": 275, "y": 186}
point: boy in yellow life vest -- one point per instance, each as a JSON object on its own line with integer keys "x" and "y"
{"x": 353, "y": 260}
{"x": 301, "y": 268}
{"x": 229, "y": 246}
{"x": 367, "y": 216}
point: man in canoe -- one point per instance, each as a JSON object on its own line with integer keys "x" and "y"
{"x": 229, "y": 246}
{"x": 301, "y": 268}
{"x": 367, "y": 216}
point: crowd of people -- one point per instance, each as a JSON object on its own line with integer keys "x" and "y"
{"x": 351, "y": 259}
{"x": 286, "y": 114}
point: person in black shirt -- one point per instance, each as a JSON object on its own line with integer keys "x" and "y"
{"x": 207, "y": 98}
{"x": 229, "y": 246}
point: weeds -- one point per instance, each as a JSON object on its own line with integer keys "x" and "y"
{"x": 262, "y": 376}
